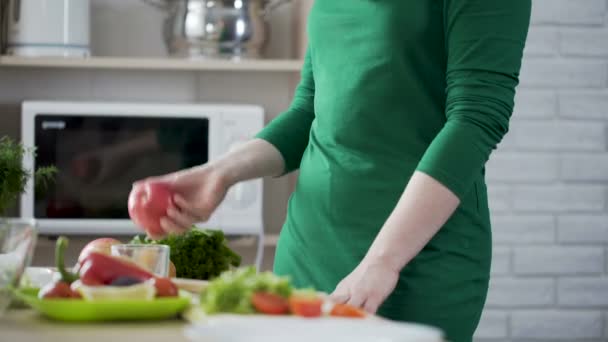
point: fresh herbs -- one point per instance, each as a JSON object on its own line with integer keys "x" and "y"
{"x": 198, "y": 254}
{"x": 13, "y": 176}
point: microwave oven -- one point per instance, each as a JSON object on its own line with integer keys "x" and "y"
{"x": 100, "y": 148}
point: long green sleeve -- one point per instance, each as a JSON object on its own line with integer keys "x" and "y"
{"x": 485, "y": 41}
{"x": 290, "y": 130}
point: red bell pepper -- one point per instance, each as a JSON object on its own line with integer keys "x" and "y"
{"x": 100, "y": 269}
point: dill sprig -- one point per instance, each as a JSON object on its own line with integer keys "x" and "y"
{"x": 14, "y": 177}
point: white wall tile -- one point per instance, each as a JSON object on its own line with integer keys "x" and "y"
{"x": 558, "y": 260}
{"x": 583, "y": 229}
{"x": 523, "y": 229}
{"x": 552, "y": 324}
{"x": 506, "y": 292}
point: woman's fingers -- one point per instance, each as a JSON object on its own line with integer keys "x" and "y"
{"x": 146, "y": 180}
{"x": 356, "y": 300}
{"x": 371, "y": 304}
{"x": 170, "y": 226}
{"x": 180, "y": 217}
{"x": 198, "y": 214}
{"x": 340, "y": 298}
{"x": 185, "y": 207}
{"x": 154, "y": 236}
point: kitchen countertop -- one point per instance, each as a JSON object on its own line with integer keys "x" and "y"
{"x": 26, "y": 325}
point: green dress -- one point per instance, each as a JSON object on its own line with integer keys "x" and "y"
{"x": 389, "y": 87}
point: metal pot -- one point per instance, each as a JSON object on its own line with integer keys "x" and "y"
{"x": 216, "y": 28}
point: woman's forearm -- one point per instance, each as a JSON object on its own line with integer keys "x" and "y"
{"x": 422, "y": 210}
{"x": 254, "y": 159}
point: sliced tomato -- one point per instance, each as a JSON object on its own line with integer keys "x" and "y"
{"x": 269, "y": 303}
{"x": 59, "y": 289}
{"x": 346, "y": 310}
{"x": 165, "y": 287}
{"x": 305, "y": 306}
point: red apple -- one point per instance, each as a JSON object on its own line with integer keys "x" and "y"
{"x": 148, "y": 203}
{"x": 101, "y": 245}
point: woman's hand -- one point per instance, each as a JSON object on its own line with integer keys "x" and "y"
{"x": 422, "y": 210}
{"x": 198, "y": 193}
{"x": 367, "y": 286}
{"x": 200, "y": 190}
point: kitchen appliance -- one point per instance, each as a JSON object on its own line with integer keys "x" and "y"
{"x": 101, "y": 148}
{"x": 48, "y": 27}
{"x": 216, "y": 28}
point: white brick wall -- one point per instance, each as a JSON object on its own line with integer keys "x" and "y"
{"x": 570, "y": 325}
{"x": 585, "y": 292}
{"x": 582, "y": 229}
{"x": 522, "y": 292}
{"x": 537, "y": 229}
{"x": 548, "y": 185}
{"x": 558, "y": 260}
{"x": 583, "y": 104}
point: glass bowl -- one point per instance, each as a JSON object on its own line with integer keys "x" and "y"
{"x": 153, "y": 258}
{"x": 17, "y": 243}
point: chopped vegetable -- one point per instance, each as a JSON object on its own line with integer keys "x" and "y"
{"x": 232, "y": 291}
{"x": 269, "y": 303}
{"x": 165, "y": 287}
{"x": 198, "y": 254}
{"x": 59, "y": 289}
{"x": 346, "y": 310}
{"x": 306, "y": 306}
{"x": 244, "y": 291}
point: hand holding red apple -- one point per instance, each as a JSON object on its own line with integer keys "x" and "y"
{"x": 174, "y": 202}
{"x": 148, "y": 204}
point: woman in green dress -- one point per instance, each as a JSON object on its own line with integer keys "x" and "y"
{"x": 399, "y": 106}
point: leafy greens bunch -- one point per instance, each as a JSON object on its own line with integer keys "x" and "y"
{"x": 198, "y": 254}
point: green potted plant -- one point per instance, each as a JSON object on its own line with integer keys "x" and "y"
{"x": 17, "y": 237}
{"x": 14, "y": 177}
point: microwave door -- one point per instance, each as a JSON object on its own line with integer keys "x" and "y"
{"x": 100, "y": 156}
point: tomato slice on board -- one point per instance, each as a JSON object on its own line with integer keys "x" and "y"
{"x": 270, "y": 304}
{"x": 305, "y": 306}
{"x": 345, "y": 310}
{"x": 165, "y": 287}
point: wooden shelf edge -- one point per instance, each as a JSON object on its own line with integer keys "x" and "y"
{"x": 121, "y": 63}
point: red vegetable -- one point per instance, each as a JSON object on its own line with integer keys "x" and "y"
{"x": 102, "y": 245}
{"x": 148, "y": 203}
{"x": 346, "y": 310}
{"x": 165, "y": 287}
{"x": 102, "y": 269}
{"x": 305, "y": 306}
{"x": 59, "y": 289}
{"x": 269, "y": 303}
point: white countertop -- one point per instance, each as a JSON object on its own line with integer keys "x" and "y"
{"x": 26, "y": 325}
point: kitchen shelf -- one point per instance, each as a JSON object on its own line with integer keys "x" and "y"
{"x": 131, "y": 63}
